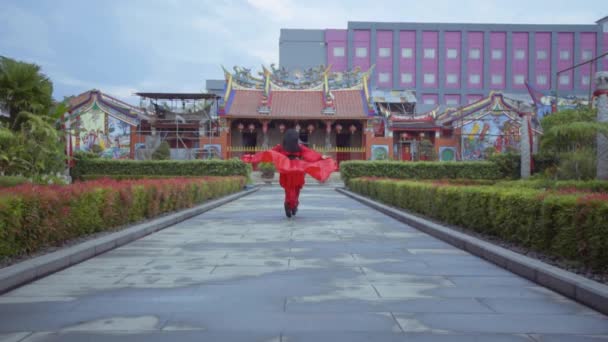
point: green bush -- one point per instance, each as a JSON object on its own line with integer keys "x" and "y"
{"x": 510, "y": 163}
{"x": 153, "y": 168}
{"x": 548, "y": 184}
{"x": 570, "y": 226}
{"x": 162, "y": 152}
{"x": 33, "y": 217}
{"x": 420, "y": 170}
{"x": 7, "y": 181}
{"x": 267, "y": 169}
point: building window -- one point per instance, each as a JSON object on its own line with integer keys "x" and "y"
{"x": 407, "y": 53}
{"x": 339, "y": 52}
{"x": 474, "y": 79}
{"x": 452, "y": 53}
{"x": 520, "y": 54}
{"x": 451, "y": 101}
{"x": 541, "y": 54}
{"x": 474, "y": 54}
{"x": 406, "y": 78}
{"x": 585, "y": 80}
{"x": 519, "y": 79}
{"x": 496, "y": 79}
{"x": 605, "y": 27}
{"x": 564, "y": 79}
{"x": 384, "y": 77}
{"x": 429, "y": 53}
{"x": 587, "y": 55}
{"x": 384, "y": 52}
{"x": 429, "y": 78}
{"x": 429, "y": 101}
{"x": 541, "y": 79}
{"x": 564, "y": 55}
{"x": 496, "y": 54}
{"x": 361, "y": 52}
{"x": 473, "y": 100}
{"x": 452, "y": 78}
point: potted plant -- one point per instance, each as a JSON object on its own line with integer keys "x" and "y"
{"x": 267, "y": 170}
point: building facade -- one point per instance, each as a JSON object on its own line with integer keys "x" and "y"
{"x": 455, "y": 64}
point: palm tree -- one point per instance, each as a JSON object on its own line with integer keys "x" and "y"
{"x": 23, "y": 88}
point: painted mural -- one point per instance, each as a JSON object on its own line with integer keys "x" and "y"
{"x": 379, "y": 152}
{"x": 101, "y": 133}
{"x": 492, "y": 133}
{"x": 447, "y": 153}
{"x": 119, "y": 134}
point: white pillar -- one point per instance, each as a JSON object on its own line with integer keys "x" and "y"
{"x": 601, "y": 91}
{"x": 524, "y": 145}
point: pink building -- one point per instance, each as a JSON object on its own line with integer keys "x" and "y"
{"x": 455, "y": 63}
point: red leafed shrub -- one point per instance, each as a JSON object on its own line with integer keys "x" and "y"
{"x": 36, "y": 216}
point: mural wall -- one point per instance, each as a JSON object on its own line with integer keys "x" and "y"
{"x": 492, "y": 133}
{"x": 119, "y": 133}
{"x": 101, "y": 133}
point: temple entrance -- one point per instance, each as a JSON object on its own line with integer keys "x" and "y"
{"x": 406, "y": 152}
{"x": 250, "y": 139}
{"x": 342, "y": 141}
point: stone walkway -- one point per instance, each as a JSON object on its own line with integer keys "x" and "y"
{"x": 339, "y": 271}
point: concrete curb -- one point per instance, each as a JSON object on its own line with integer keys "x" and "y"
{"x": 573, "y": 286}
{"x": 32, "y": 269}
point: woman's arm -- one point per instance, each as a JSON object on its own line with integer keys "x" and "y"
{"x": 310, "y": 155}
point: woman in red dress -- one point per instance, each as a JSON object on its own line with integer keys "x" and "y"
{"x": 292, "y": 160}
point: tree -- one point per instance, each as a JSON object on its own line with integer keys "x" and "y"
{"x": 571, "y": 136}
{"x": 23, "y": 88}
{"x": 162, "y": 152}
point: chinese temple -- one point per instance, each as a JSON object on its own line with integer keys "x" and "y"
{"x": 472, "y": 132}
{"x": 331, "y": 110}
{"x": 334, "y": 112}
{"x": 99, "y": 123}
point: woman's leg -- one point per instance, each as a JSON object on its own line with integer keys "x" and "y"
{"x": 285, "y": 184}
{"x": 298, "y": 184}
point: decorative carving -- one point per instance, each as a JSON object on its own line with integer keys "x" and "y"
{"x": 298, "y": 79}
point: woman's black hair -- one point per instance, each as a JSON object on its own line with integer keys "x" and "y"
{"x": 290, "y": 141}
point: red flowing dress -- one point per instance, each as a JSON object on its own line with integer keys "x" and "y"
{"x": 292, "y": 166}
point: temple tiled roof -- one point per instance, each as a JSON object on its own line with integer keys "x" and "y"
{"x": 245, "y": 102}
{"x": 297, "y": 104}
{"x": 106, "y": 103}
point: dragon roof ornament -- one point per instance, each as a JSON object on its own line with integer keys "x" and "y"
{"x": 307, "y": 79}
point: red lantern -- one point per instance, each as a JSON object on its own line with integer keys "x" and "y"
{"x": 352, "y": 129}
{"x": 403, "y": 136}
{"x": 282, "y": 128}
{"x": 311, "y": 128}
{"x": 241, "y": 127}
{"x": 298, "y": 128}
{"x": 251, "y": 128}
{"x": 338, "y": 128}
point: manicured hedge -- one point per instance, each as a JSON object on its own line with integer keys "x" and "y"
{"x": 7, "y": 181}
{"x": 561, "y": 186}
{"x": 419, "y": 170}
{"x": 510, "y": 164}
{"x": 570, "y": 226}
{"x": 108, "y": 167}
{"x": 34, "y": 216}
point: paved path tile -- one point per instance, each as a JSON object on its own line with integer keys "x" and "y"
{"x": 339, "y": 271}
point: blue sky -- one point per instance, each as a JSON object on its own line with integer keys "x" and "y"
{"x": 175, "y": 45}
